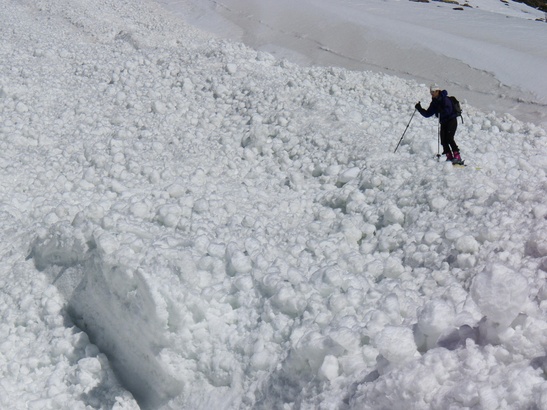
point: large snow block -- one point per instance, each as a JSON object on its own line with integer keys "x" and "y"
{"x": 114, "y": 304}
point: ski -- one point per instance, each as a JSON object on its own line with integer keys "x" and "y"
{"x": 464, "y": 166}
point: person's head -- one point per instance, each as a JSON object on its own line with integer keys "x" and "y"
{"x": 434, "y": 89}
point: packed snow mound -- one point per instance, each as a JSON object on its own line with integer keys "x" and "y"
{"x": 233, "y": 231}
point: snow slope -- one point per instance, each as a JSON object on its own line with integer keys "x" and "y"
{"x": 491, "y": 53}
{"x": 188, "y": 223}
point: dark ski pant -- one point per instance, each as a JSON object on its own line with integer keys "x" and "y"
{"x": 448, "y": 131}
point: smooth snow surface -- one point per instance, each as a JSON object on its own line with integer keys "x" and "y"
{"x": 491, "y": 53}
{"x": 188, "y": 223}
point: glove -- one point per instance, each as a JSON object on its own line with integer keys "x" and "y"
{"x": 418, "y": 106}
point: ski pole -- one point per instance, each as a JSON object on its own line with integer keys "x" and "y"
{"x": 405, "y": 131}
{"x": 439, "y": 141}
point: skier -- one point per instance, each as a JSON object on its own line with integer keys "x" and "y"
{"x": 441, "y": 107}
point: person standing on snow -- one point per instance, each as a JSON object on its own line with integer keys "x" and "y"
{"x": 442, "y": 107}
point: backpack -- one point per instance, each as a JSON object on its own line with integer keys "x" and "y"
{"x": 457, "y": 107}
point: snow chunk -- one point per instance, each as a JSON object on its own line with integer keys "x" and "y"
{"x": 540, "y": 211}
{"x": 169, "y": 215}
{"x": 330, "y": 368}
{"x": 348, "y": 175}
{"x": 435, "y": 317}
{"x": 21, "y": 108}
{"x": 159, "y": 107}
{"x": 536, "y": 246}
{"x": 187, "y": 85}
{"x": 176, "y": 190}
{"x": 437, "y": 203}
{"x": 89, "y": 374}
{"x": 453, "y": 234}
{"x": 393, "y": 268}
{"x": 231, "y": 68}
{"x": 393, "y": 215}
{"x": 198, "y": 177}
{"x": 467, "y": 244}
{"x": 139, "y": 209}
{"x": 312, "y": 349}
{"x": 237, "y": 262}
{"x": 396, "y": 344}
{"x": 288, "y": 302}
{"x": 500, "y": 293}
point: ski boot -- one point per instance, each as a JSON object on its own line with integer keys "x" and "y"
{"x": 457, "y": 159}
